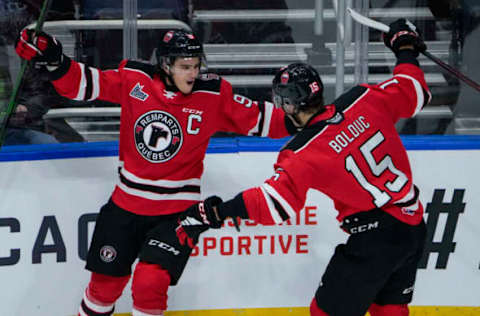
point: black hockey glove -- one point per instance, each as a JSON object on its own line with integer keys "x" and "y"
{"x": 402, "y": 33}
{"x": 42, "y": 49}
{"x": 196, "y": 219}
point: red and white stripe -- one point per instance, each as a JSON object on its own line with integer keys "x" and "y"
{"x": 419, "y": 93}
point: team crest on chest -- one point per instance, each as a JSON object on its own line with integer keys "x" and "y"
{"x": 158, "y": 136}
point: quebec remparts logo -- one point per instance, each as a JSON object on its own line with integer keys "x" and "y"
{"x": 158, "y": 136}
{"x": 108, "y": 254}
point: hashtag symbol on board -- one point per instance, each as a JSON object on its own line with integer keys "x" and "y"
{"x": 446, "y": 246}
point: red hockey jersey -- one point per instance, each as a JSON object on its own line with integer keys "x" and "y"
{"x": 164, "y": 134}
{"x": 352, "y": 153}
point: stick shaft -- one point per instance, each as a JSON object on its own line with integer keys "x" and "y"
{"x": 384, "y": 28}
{"x": 5, "y": 114}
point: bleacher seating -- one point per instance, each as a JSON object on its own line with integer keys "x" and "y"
{"x": 252, "y": 65}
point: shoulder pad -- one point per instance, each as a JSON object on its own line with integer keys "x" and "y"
{"x": 304, "y": 136}
{"x": 146, "y": 68}
{"x": 209, "y": 82}
{"x": 349, "y": 97}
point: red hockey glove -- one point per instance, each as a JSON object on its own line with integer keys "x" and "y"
{"x": 196, "y": 219}
{"x": 41, "y": 49}
{"x": 402, "y": 33}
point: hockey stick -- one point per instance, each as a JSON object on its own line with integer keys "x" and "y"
{"x": 5, "y": 114}
{"x": 384, "y": 28}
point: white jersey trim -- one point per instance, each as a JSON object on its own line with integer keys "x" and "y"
{"x": 160, "y": 183}
{"x": 271, "y": 208}
{"x": 267, "y": 119}
{"x": 82, "y": 86}
{"x": 95, "y": 84}
{"x": 286, "y": 206}
{"x": 348, "y": 108}
{"x": 356, "y": 101}
{"x": 206, "y": 91}
{"x": 256, "y": 127}
{"x": 158, "y": 196}
{"x": 407, "y": 196}
{"x": 418, "y": 91}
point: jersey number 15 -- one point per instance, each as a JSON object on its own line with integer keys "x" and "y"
{"x": 380, "y": 197}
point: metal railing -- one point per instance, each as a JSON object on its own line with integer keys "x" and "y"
{"x": 303, "y": 15}
{"x": 250, "y": 56}
{"x": 114, "y": 24}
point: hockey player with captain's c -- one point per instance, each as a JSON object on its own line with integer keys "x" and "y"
{"x": 369, "y": 180}
{"x": 169, "y": 112}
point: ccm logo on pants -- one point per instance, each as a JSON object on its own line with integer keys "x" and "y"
{"x": 162, "y": 245}
{"x": 363, "y": 228}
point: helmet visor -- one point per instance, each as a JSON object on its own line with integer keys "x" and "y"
{"x": 287, "y": 95}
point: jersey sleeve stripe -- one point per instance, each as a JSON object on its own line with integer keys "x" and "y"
{"x": 82, "y": 85}
{"x": 271, "y": 207}
{"x": 88, "y": 77}
{"x": 284, "y": 204}
{"x": 419, "y": 92}
{"x": 267, "y": 113}
{"x": 95, "y": 84}
{"x": 410, "y": 198}
{"x": 429, "y": 96}
{"x": 256, "y": 130}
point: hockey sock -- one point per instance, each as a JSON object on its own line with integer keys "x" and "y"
{"x": 315, "y": 310}
{"x": 149, "y": 289}
{"x": 102, "y": 292}
{"x": 389, "y": 310}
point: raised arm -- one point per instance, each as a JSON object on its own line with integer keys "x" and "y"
{"x": 406, "y": 93}
{"x": 244, "y": 116}
{"x": 71, "y": 79}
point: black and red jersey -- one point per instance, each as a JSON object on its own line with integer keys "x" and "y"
{"x": 164, "y": 134}
{"x": 352, "y": 153}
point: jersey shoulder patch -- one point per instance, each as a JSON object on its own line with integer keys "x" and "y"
{"x": 208, "y": 82}
{"x": 134, "y": 65}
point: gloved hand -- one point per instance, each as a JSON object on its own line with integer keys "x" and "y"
{"x": 42, "y": 49}
{"x": 403, "y": 33}
{"x": 196, "y": 219}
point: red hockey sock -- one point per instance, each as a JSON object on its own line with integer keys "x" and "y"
{"x": 315, "y": 310}
{"x": 102, "y": 292}
{"x": 389, "y": 310}
{"x": 149, "y": 289}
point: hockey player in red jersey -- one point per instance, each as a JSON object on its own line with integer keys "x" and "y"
{"x": 169, "y": 112}
{"x": 351, "y": 151}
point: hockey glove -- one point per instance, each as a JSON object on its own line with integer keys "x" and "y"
{"x": 196, "y": 219}
{"x": 403, "y": 33}
{"x": 41, "y": 49}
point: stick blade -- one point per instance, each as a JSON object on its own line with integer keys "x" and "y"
{"x": 367, "y": 21}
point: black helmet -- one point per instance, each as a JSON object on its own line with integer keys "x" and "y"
{"x": 178, "y": 43}
{"x": 297, "y": 87}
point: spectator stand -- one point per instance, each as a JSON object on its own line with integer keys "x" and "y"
{"x": 251, "y": 65}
